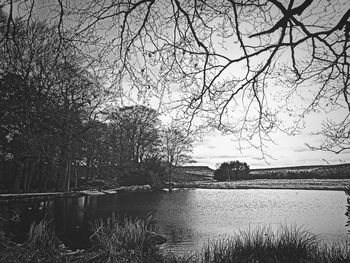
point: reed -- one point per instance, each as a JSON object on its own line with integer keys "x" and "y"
{"x": 128, "y": 240}
{"x": 287, "y": 245}
{"x": 41, "y": 244}
{"x": 133, "y": 240}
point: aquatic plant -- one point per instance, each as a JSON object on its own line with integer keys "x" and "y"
{"x": 287, "y": 245}
{"x": 127, "y": 240}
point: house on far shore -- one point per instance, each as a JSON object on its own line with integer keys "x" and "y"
{"x": 192, "y": 173}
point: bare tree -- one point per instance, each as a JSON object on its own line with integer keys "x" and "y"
{"x": 136, "y": 129}
{"x": 176, "y": 146}
{"x": 235, "y": 65}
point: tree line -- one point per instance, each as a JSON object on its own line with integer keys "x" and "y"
{"x": 56, "y": 124}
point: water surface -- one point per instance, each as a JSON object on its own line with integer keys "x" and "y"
{"x": 189, "y": 217}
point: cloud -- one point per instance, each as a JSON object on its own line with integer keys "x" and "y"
{"x": 258, "y": 158}
{"x": 198, "y": 157}
{"x": 288, "y": 151}
{"x": 232, "y": 156}
{"x": 212, "y": 146}
{"x": 301, "y": 149}
{"x": 214, "y": 155}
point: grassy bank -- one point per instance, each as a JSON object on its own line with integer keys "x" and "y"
{"x": 134, "y": 241}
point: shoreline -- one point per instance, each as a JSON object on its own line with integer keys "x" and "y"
{"x": 273, "y": 184}
{"x": 6, "y": 198}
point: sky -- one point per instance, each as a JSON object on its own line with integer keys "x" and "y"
{"x": 288, "y": 151}
{"x": 215, "y": 148}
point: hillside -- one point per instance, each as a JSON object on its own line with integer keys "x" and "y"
{"x": 192, "y": 173}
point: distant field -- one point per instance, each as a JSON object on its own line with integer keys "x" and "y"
{"x": 204, "y": 173}
{"x": 307, "y": 184}
{"x": 305, "y": 168}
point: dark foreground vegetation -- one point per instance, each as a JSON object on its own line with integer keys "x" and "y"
{"x": 134, "y": 241}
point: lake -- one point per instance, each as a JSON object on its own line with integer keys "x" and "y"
{"x": 188, "y": 218}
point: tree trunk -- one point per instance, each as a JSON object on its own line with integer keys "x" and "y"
{"x": 19, "y": 174}
{"x": 88, "y": 169}
{"x": 31, "y": 175}
{"x": 25, "y": 175}
{"x": 46, "y": 177}
{"x": 228, "y": 174}
{"x": 67, "y": 176}
{"x": 76, "y": 178}
{"x": 40, "y": 175}
{"x": 58, "y": 180}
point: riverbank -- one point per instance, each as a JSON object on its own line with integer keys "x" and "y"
{"x": 52, "y": 195}
{"x": 294, "y": 184}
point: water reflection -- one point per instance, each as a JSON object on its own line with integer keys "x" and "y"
{"x": 187, "y": 218}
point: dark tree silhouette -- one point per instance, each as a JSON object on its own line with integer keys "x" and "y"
{"x": 48, "y": 99}
{"x": 137, "y": 128}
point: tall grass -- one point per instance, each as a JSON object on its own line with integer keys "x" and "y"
{"x": 41, "y": 244}
{"x": 134, "y": 241}
{"x": 127, "y": 240}
{"x": 287, "y": 245}
{"x": 262, "y": 245}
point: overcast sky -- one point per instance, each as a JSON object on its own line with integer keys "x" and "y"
{"x": 287, "y": 150}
